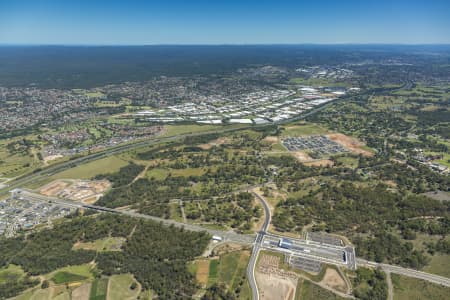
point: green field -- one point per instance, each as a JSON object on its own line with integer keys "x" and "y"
{"x": 309, "y": 291}
{"x": 66, "y": 277}
{"x": 11, "y": 273}
{"x": 406, "y": 288}
{"x": 157, "y": 173}
{"x": 439, "y": 264}
{"x": 278, "y": 147}
{"x": 213, "y": 267}
{"x": 187, "y": 172}
{"x": 15, "y": 164}
{"x": 303, "y": 129}
{"x": 171, "y": 130}
{"x": 230, "y": 270}
{"x": 119, "y": 287}
{"x": 348, "y": 161}
{"x": 175, "y": 212}
{"x": 99, "y": 289}
{"x": 79, "y": 270}
{"x": 86, "y": 171}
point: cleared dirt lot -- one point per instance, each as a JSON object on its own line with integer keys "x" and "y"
{"x": 333, "y": 280}
{"x": 350, "y": 143}
{"x": 272, "y": 287}
{"x": 273, "y": 282}
{"x": 82, "y": 292}
{"x": 53, "y": 188}
{"x": 76, "y": 190}
{"x": 319, "y": 163}
{"x": 271, "y": 139}
{"x": 217, "y": 142}
{"x": 202, "y": 271}
{"x": 302, "y": 156}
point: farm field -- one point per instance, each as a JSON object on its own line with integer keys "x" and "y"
{"x": 86, "y": 171}
{"x": 99, "y": 289}
{"x": 229, "y": 269}
{"x": 120, "y": 287}
{"x": 78, "y": 270}
{"x": 171, "y": 130}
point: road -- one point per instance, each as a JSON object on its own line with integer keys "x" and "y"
{"x": 59, "y": 167}
{"x": 257, "y": 247}
{"x": 406, "y": 272}
{"x": 230, "y": 236}
{"x": 244, "y": 239}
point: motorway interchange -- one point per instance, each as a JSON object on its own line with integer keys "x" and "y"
{"x": 305, "y": 254}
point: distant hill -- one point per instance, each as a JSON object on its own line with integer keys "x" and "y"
{"x": 84, "y": 67}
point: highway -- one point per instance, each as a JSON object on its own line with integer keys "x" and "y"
{"x": 59, "y": 167}
{"x": 318, "y": 251}
{"x": 406, "y": 272}
{"x": 257, "y": 247}
{"x": 226, "y": 235}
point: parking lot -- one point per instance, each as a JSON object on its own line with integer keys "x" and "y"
{"x": 21, "y": 213}
{"x": 305, "y": 264}
{"x": 320, "y": 145}
{"x": 324, "y": 238}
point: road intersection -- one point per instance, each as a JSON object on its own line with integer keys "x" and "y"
{"x": 264, "y": 240}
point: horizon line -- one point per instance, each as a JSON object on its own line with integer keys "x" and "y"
{"x": 219, "y": 44}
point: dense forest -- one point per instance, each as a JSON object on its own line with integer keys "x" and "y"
{"x": 156, "y": 255}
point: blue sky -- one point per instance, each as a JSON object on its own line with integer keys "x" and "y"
{"x": 132, "y": 22}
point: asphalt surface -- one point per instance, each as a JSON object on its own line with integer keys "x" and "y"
{"x": 242, "y": 239}
{"x": 59, "y": 167}
{"x": 257, "y": 247}
{"x": 406, "y": 272}
{"x": 226, "y": 235}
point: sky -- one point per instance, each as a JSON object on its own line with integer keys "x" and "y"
{"x": 133, "y": 22}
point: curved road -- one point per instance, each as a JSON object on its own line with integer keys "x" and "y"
{"x": 241, "y": 238}
{"x": 257, "y": 247}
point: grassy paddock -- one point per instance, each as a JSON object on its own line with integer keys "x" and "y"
{"x": 109, "y": 164}
{"x": 309, "y": 291}
{"x": 406, "y": 288}
{"x": 66, "y": 277}
{"x": 99, "y": 289}
{"x": 303, "y": 129}
{"x": 119, "y": 287}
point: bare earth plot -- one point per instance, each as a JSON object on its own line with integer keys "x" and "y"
{"x": 273, "y": 282}
{"x": 77, "y": 190}
{"x": 350, "y": 143}
{"x": 217, "y": 142}
{"x": 202, "y": 271}
{"x": 82, "y": 292}
{"x": 333, "y": 280}
{"x": 319, "y": 163}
